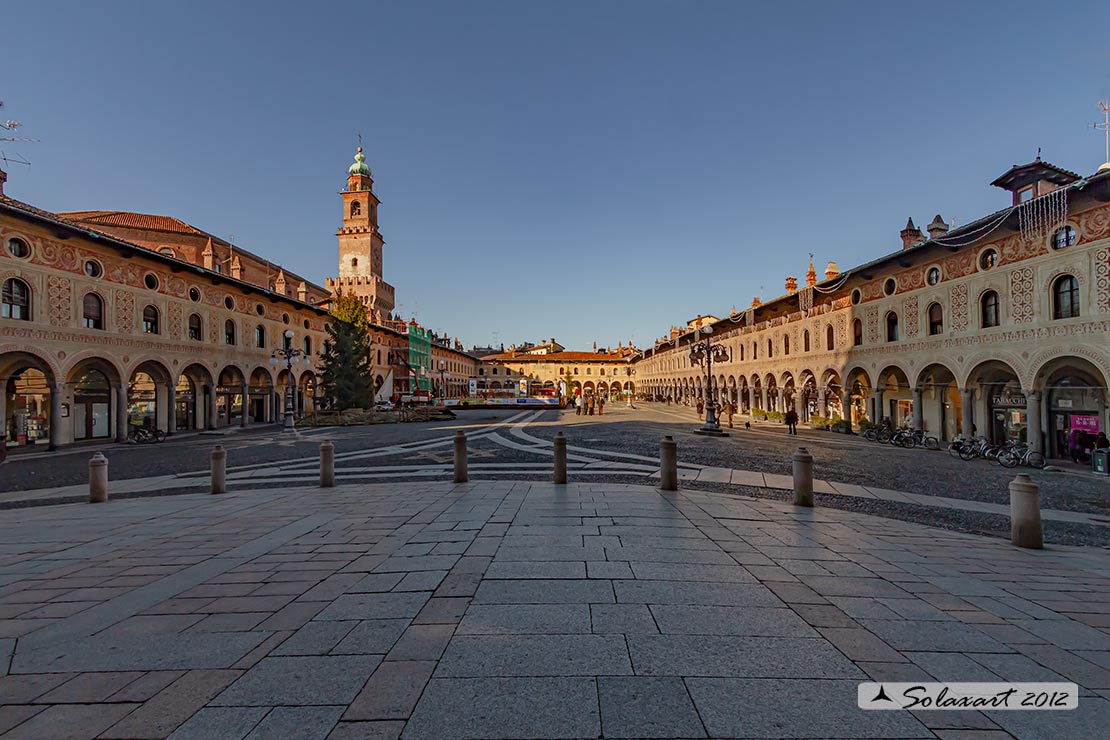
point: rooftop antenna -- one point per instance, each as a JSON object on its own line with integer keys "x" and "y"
{"x": 1105, "y": 128}
{"x": 9, "y": 127}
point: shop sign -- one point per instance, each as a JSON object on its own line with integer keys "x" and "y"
{"x": 1085, "y": 423}
{"x": 1008, "y": 400}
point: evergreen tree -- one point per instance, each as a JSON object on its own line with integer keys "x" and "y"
{"x": 345, "y": 376}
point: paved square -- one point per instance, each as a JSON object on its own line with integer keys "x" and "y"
{"x": 516, "y": 609}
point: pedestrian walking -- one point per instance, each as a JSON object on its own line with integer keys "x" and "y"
{"x": 601, "y": 406}
{"x": 593, "y": 403}
{"x": 792, "y": 422}
{"x": 577, "y": 406}
{"x": 730, "y": 409}
{"x": 701, "y": 408}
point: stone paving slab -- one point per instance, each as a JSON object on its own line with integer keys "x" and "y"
{"x": 524, "y": 610}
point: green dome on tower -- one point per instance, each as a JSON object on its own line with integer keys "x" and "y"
{"x": 359, "y": 167}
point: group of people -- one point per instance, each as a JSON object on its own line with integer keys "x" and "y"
{"x": 585, "y": 405}
{"x": 1081, "y": 444}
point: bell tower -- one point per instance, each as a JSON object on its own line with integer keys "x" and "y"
{"x": 360, "y": 245}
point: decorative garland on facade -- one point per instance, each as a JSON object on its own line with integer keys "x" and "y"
{"x": 1042, "y": 216}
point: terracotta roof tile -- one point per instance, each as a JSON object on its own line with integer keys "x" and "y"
{"x": 127, "y": 219}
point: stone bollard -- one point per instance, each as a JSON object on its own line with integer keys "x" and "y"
{"x": 98, "y": 479}
{"x": 1025, "y": 513}
{"x": 460, "y": 458}
{"x": 219, "y": 469}
{"x": 560, "y": 458}
{"x": 327, "y": 464}
{"x": 668, "y": 464}
{"x": 803, "y": 478}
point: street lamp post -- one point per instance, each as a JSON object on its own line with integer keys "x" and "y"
{"x": 290, "y": 357}
{"x": 443, "y": 381}
{"x": 704, "y": 353}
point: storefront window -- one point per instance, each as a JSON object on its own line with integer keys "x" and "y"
{"x": 142, "y": 397}
{"x": 27, "y": 409}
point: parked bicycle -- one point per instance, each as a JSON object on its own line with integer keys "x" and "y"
{"x": 141, "y": 435}
{"x": 910, "y": 438}
{"x": 1012, "y": 456}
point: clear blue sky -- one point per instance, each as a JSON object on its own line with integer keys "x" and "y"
{"x": 593, "y": 171}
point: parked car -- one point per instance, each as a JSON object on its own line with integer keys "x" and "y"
{"x": 383, "y": 406}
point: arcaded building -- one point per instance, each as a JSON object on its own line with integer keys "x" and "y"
{"x": 999, "y": 327}
{"x": 112, "y": 320}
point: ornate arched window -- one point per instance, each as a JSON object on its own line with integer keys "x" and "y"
{"x": 805, "y": 341}
{"x": 308, "y": 345}
{"x": 770, "y": 349}
{"x": 150, "y": 320}
{"x": 260, "y": 336}
{"x": 786, "y": 345}
{"x": 936, "y": 319}
{"x": 892, "y": 327}
{"x": 830, "y": 337}
{"x": 93, "y": 311}
{"x": 356, "y": 208}
{"x": 16, "y": 300}
{"x": 857, "y": 332}
{"x": 195, "y": 327}
{"x": 988, "y": 310}
{"x": 1065, "y": 297}
{"x": 229, "y": 332}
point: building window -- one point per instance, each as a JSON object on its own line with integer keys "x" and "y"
{"x": 805, "y": 341}
{"x": 830, "y": 336}
{"x": 150, "y": 320}
{"x": 588, "y": 370}
{"x": 786, "y": 345}
{"x": 770, "y": 349}
{"x": 354, "y": 261}
{"x": 356, "y": 209}
{"x": 988, "y": 309}
{"x": 857, "y": 296}
{"x": 932, "y": 275}
{"x": 93, "y": 269}
{"x": 892, "y": 327}
{"x": 602, "y": 371}
{"x": 151, "y": 281}
{"x": 194, "y": 295}
{"x": 229, "y": 332}
{"x": 229, "y": 304}
{"x": 168, "y": 251}
{"x": 260, "y": 338}
{"x": 755, "y": 351}
{"x": 741, "y": 348}
{"x": 1025, "y": 195}
{"x": 194, "y": 327}
{"x": 1065, "y": 297}
{"x": 988, "y": 259}
{"x": 575, "y": 371}
{"x": 18, "y": 248}
{"x": 857, "y": 333}
{"x": 93, "y": 312}
{"x": 308, "y": 345}
{"x": 1064, "y": 237}
{"x": 16, "y": 300}
{"x": 287, "y": 341}
{"x": 889, "y": 286}
{"x": 936, "y": 319}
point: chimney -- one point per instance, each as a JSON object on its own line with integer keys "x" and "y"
{"x": 911, "y": 235}
{"x": 553, "y": 340}
{"x": 811, "y": 275}
{"x": 595, "y": 348}
{"x": 791, "y": 285}
{"x": 831, "y": 271}
{"x": 937, "y": 228}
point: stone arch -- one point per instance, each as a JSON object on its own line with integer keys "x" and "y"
{"x": 12, "y": 354}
